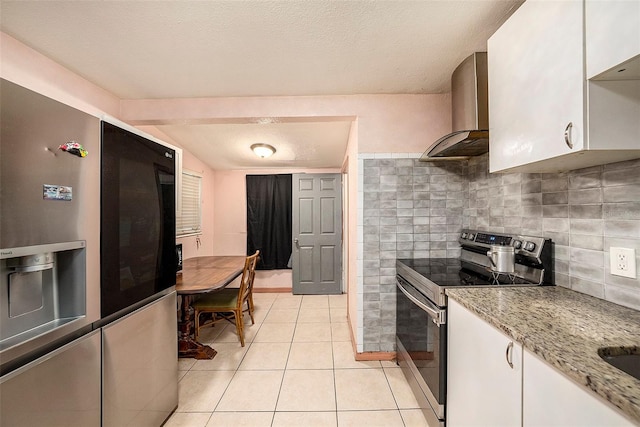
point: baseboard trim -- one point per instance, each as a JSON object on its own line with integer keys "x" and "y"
{"x": 368, "y": 355}
{"x": 376, "y": 355}
{"x": 274, "y": 290}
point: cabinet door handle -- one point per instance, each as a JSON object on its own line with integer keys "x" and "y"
{"x": 509, "y": 354}
{"x": 567, "y": 135}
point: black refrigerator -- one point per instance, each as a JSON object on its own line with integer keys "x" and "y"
{"x": 138, "y": 274}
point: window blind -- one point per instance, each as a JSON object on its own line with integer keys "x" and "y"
{"x": 189, "y": 221}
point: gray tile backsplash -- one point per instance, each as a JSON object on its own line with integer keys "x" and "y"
{"x": 416, "y": 209}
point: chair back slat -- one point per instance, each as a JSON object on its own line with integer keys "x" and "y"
{"x": 248, "y": 275}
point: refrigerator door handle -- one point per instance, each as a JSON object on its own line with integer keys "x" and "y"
{"x": 33, "y": 268}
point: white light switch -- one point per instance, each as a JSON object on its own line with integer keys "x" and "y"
{"x": 623, "y": 262}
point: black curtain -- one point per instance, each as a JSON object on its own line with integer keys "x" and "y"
{"x": 269, "y": 220}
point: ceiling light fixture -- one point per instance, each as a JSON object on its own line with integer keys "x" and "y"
{"x": 263, "y": 150}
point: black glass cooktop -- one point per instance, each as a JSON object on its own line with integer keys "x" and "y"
{"x": 451, "y": 272}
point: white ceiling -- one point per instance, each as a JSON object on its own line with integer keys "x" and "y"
{"x": 227, "y": 146}
{"x": 211, "y": 48}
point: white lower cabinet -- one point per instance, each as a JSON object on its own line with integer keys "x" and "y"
{"x": 551, "y": 399}
{"x": 484, "y": 372}
{"x": 492, "y": 381}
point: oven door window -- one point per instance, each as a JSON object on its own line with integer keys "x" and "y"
{"x": 424, "y": 341}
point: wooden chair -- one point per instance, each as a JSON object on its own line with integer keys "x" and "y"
{"x": 229, "y": 303}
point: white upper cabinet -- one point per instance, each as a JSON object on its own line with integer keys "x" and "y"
{"x": 536, "y": 84}
{"x": 543, "y": 113}
{"x": 612, "y": 39}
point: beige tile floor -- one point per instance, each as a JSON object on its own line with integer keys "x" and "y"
{"x": 296, "y": 369}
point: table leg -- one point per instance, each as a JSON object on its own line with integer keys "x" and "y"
{"x": 187, "y": 345}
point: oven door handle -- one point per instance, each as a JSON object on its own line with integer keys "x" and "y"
{"x": 438, "y": 315}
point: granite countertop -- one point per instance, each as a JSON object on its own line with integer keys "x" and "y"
{"x": 566, "y": 329}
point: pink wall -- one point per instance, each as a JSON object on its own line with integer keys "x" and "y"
{"x": 352, "y": 228}
{"x": 386, "y": 123}
{"x": 26, "y": 67}
{"x": 230, "y": 207}
{"x": 230, "y": 214}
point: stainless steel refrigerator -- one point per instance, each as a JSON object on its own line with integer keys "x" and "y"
{"x": 68, "y": 235}
{"x": 49, "y": 262}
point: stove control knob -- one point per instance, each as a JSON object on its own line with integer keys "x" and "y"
{"x": 517, "y": 244}
{"x": 529, "y": 246}
{"x": 464, "y": 235}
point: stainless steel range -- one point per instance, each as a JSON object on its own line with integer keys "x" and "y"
{"x": 486, "y": 259}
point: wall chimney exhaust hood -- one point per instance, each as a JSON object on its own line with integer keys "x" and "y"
{"x": 470, "y": 113}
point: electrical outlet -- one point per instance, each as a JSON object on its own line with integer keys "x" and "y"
{"x": 623, "y": 262}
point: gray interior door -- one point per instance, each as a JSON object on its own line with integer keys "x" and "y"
{"x": 317, "y": 234}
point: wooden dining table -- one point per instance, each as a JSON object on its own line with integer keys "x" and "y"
{"x": 199, "y": 276}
